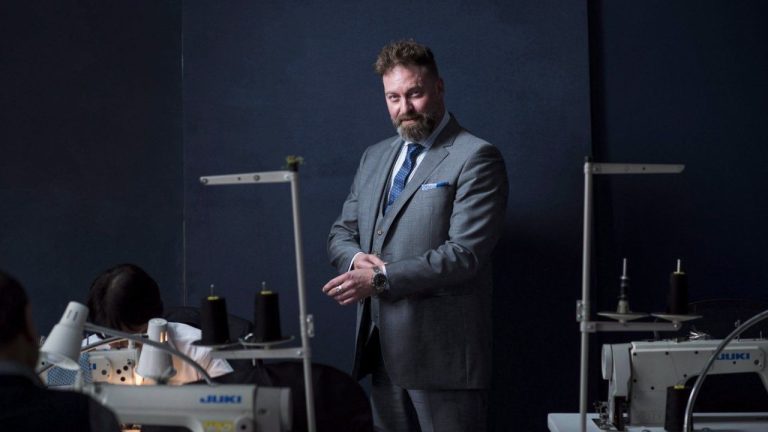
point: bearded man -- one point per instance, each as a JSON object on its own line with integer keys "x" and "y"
{"x": 413, "y": 248}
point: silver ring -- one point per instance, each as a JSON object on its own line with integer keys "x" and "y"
{"x": 338, "y": 289}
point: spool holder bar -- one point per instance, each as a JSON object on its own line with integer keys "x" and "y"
{"x": 249, "y": 178}
{"x": 259, "y": 353}
{"x": 618, "y": 326}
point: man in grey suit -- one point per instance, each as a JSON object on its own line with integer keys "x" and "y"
{"x": 413, "y": 248}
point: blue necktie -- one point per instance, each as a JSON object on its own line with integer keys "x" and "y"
{"x": 402, "y": 175}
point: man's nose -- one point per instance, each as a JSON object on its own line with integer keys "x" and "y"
{"x": 406, "y": 106}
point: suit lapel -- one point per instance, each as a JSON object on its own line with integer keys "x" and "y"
{"x": 432, "y": 159}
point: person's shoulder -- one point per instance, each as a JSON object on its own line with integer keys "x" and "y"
{"x": 75, "y": 409}
{"x": 466, "y": 143}
{"x": 457, "y": 135}
{"x": 382, "y": 148}
{"x": 47, "y": 409}
{"x": 470, "y": 150}
{"x": 384, "y": 145}
{"x": 67, "y": 400}
{"x": 466, "y": 137}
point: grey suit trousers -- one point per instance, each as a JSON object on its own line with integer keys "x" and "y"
{"x": 396, "y": 409}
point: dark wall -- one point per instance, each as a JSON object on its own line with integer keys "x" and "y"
{"x": 90, "y": 145}
{"x": 263, "y": 80}
{"x": 678, "y": 84}
{"x": 98, "y": 165}
{"x": 681, "y": 82}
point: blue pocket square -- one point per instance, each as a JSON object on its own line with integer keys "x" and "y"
{"x": 428, "y": 186}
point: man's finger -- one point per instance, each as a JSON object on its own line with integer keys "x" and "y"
{"x": 333, "y": 283}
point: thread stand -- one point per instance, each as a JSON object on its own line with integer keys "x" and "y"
{"x": 306, "y": 322}
{"x": 586, "y": 326}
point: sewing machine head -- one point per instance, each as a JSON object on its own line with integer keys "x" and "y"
{"x": 244, "y": 408}
{"x": 114, "y": 366}
{"x": 639, "y": 373}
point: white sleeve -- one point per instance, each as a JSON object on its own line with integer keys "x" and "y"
{"x": 181, "y": 336}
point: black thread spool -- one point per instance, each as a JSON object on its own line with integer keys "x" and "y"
{"x": 623, "y": 305}
{"x": 677, "y": 400}
{"x": 677, "y": 301}
{"x": 266, "y": 318}
{"x": 213, "y": 320}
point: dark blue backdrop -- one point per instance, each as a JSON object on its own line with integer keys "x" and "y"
{"x": 265, "y": 80}
{"x": 112, "y": 111}
{"x": 91, "y": 156}
{"x": 680, "y": 82}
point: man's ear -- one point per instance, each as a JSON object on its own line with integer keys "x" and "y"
{"x": 440, "y": 86}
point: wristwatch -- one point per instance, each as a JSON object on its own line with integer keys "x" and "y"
{"x": 378, "y": 281}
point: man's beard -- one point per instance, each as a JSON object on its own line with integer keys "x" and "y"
{"x": 419, "y": 130}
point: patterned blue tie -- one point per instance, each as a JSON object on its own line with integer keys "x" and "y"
{"x": 402, "y": 175}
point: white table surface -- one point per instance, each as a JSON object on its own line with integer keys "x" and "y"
{"x": 714, "y": 422}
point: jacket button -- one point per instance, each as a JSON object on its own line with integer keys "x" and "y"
{"x": 379, "y": 232}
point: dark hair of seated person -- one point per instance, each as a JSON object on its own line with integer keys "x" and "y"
{"x": 125, "y": 298}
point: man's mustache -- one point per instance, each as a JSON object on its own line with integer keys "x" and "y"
{"x": 404, "y": 117}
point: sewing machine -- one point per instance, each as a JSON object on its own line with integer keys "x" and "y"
{"x": 108, "y": 366}
{"x": 200, "y": 408}
{"x": 114, "y": 366}
{"x": 639, "y": 373}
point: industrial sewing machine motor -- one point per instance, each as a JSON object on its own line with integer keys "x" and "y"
{"x": 638, "y": 374}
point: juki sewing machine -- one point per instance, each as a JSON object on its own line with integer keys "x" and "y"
{"x": 639, "y": 373}
{"x": 200, "y": 408}
{"x": 109, "y": 377}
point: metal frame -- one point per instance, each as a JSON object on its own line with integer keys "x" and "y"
{"x": 306, "y": 323}
{"x": 582, "y": 306}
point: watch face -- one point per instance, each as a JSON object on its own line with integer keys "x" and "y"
{"x": 379, "y": 280}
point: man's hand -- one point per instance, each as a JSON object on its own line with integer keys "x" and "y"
{"x": 366, "y": 261}
{"x": 351, "y": 286}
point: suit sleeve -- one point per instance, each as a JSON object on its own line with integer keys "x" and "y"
{"x": 476, "y": 222}
{"x": 344, "y": 239}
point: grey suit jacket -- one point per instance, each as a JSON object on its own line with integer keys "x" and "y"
{"x": 437, "y": 239}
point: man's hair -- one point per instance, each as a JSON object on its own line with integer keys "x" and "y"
{"x": 405, "y": 53}
{"x": 124, "y": 296}
{"x": 13, "y": 305}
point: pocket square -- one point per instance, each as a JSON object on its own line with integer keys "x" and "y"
{"x": 428, "y": 186}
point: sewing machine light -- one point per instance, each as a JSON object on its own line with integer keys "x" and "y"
{"x": 62, "y": 347}
{"x": 154, "y": 363}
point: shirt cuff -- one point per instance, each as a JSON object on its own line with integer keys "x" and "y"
{"x": 352, "y": 263}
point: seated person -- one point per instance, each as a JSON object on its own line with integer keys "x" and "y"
{"x": 25, "y": 404}
{"x": 125, "y": 298}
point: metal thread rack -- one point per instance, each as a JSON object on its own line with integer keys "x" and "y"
{"x": 305, "y": 320}
{"x": 587, "y": 326}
